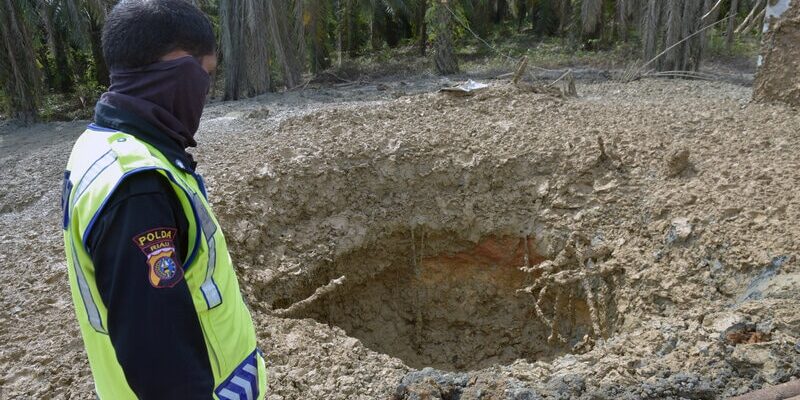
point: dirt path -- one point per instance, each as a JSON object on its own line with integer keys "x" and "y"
{"x": 651, "y": 272}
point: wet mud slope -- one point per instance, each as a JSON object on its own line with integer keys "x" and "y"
{"x": 779, "y": 77}
{"x": 635, "y": 242}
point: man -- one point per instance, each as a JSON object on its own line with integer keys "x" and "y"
{"x": 153, "y": 284}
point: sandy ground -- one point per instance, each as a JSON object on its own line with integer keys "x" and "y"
{"x": 638, "y": 241}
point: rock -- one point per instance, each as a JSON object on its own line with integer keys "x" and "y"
{"x": 764, "y": 281}
{"x": 431, "y": 384}
{"x": 681, "y": 385}
{"x": 571, "y": 385}
{"x": 235, "y": 115}
{"x": 516, "y": 390}
{"x": 752, "y": 357}
{"x": 345, "y": 384}
{"x": 745, "y": 333}
{"x": 679, "y": 231}
{"x": 259, "y": 113}
{"x": 676, "y": 162}
{"x": 522, "y": 394}
{"x": 717, "y": 324}
{"x": 350, "y": 343}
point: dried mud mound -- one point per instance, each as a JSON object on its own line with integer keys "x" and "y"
{"x": 778, "y": 79}
{"x": 636, "y": 242}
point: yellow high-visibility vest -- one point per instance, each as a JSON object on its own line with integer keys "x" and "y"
{"x": 100, "y": 160}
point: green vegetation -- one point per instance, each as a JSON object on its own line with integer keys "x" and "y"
{"x": 52, "y": 66}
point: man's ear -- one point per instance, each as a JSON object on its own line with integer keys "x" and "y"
{"x": 209, "y": 63}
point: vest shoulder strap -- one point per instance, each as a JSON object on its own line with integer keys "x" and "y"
{"x": 132, "y": 154}
{"x": 103, "y": 161}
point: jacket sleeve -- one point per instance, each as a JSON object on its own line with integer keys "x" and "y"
{"x": 138, "y": 246}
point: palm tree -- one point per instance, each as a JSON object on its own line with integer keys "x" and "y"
{"x": 286, "y": 26}
{"x": 445, "y": 57}
{"x": 420, "y": 9}
{"x": 731, "y": 24}
{"x": 318, "y": 15}
{"x": 19, "y": 75}
{"x": 651, "y": 25}
{"x": 71, "y": 25}
{"x": 592, "y": 19}
{"x": 245, "y": 47}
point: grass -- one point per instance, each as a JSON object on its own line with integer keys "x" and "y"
{"x": 73, "y": 106}
{"x": 743, "y": 47}
{"x": 548, "y": 52}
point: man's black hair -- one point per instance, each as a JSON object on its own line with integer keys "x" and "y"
{"x": 140, "y": 32}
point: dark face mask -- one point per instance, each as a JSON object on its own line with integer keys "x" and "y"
{"x": 170, "y": 95}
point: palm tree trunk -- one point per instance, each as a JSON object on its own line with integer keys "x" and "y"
{"x": 622, "y": 19}
{"x": 64, "y": 80}
{"x": 100, "y": 67}
{"x": 351, "y": 27}
{"x": 245, "y": 48}
{"x": 693, "y": 48}
{"x": 289, "y": 48}
{"x": 592, "y": 19}
{"x": 318, "y": 12}
{"x": 56, "y": 41}
{"x": 651, "y": 26}
{"x": 500, "y": 11}
{"x": 18, "y": 70}
{"x": 731, "y": 24}
{"x": 422, "y": 26}
{"x": 445, "y": 57}
{"x": 522, "y": 13}
{"x": 377, "y": 27}
{"x": 564, "y": 16}
{"x": 706, "y": 36}
{"x": 339, "y": 10}
{"x": 671, "y": 61}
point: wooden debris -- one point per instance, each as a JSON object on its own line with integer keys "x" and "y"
{"x": 786, "y": 391}
{"x": 521, "y": 68}
{"x": 296, "y": 308}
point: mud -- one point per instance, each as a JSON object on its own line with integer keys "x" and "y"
{"x": 778, "y": 79}
{"x": 454, "y": 311}
{"x": 637, "y": 242}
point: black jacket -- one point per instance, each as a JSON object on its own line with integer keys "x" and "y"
{"x": 155, "y": 331}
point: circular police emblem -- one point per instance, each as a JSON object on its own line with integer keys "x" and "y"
{"x": 165, "y": 268}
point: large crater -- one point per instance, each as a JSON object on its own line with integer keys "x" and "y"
{"x": 433, "y": 300}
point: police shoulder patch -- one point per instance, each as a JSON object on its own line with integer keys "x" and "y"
{"x": 163, "y": 268}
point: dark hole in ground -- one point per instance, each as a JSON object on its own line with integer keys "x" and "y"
{"x": 456, "y": 310}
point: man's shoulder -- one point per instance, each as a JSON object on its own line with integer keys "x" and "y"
{"x": 143, "y": 183}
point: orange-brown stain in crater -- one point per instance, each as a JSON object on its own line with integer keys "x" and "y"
{"x": 494, "y": 260}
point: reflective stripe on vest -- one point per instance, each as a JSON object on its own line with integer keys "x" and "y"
{"x": 96, "y": 168}
{"x": 92, "y": 173}
{"x": 88, "y": 302}
{"x": 209, "y": 228}
{"x": 243, "y": 382}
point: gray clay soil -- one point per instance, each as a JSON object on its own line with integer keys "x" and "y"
{"x": 637, "y": 242}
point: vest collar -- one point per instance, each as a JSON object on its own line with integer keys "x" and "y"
{"x": 108, "y": 116}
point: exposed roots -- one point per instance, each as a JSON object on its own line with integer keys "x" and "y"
{"x": 579, "y": 273}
